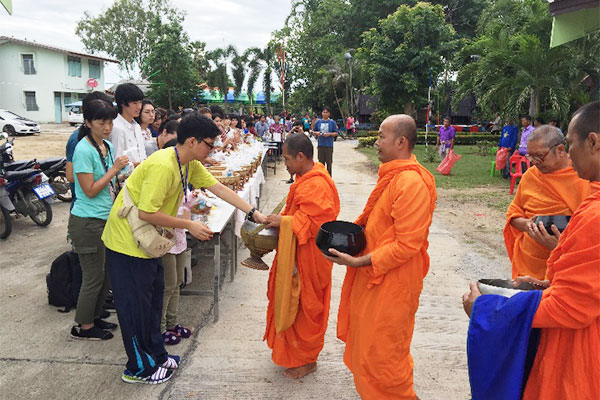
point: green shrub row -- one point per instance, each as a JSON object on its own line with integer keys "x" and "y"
{"x": 469, "y": 139}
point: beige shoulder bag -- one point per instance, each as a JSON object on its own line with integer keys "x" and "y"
{"x": 156, "y": 241}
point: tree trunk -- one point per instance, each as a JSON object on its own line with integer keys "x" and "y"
{"x": 409, "y": 109}
{"x": 337, "y": 100}
{"x": 169, "y": 94}
{"x": 534, "y": 102}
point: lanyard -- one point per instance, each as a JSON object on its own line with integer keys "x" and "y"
{"x": 184, "y": 183}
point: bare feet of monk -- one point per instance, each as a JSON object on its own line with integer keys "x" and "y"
{"x": 301, "y": 371}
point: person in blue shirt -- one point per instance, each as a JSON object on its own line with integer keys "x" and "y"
{"x": 325, "y": 130}
{"x": 73, "y": 140}
{"x": 508, "y": 139}
{"x": 95, "y": 170}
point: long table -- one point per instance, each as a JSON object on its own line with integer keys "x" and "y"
{"x": 222, "y": 216}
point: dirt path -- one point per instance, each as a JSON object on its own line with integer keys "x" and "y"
{"x": 228, "y": 360}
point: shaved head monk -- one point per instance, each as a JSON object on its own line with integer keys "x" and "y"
{"x": 299, "y": 289}
{"x": 550, "y": 187}
{"x": 380, "y": 295}
{"x": 566, "y": 364}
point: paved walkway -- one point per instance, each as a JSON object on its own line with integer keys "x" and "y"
{"x": 230, "y": 361}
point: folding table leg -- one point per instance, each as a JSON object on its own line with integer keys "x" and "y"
{"x": 217, "y": 259}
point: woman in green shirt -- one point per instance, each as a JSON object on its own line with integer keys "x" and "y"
{"x": 95, "y": 186}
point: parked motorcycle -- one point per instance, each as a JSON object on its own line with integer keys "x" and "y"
{"x": 6, "y": 207}
{"x": 30, "y": 195}
{"x": 54, "y": 168}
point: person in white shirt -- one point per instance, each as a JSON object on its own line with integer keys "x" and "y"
{"x": 126, "y": 136}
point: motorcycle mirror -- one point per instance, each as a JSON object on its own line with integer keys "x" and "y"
{"x": 4, "y": 135}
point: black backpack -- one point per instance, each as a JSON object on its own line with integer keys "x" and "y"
{"x": 64, "y": 281}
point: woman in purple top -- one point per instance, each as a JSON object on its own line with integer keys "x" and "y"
{"x": 445, "y": 139}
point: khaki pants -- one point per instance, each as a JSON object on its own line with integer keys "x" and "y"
{"x": 173, "y": 266}
{"x": 325, "y": 155}
{"x": 86, "y": 237}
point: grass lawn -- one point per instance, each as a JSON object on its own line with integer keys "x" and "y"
{"x": 472, "y": 170}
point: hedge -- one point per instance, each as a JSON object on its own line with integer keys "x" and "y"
{"x": 468, "y": 139}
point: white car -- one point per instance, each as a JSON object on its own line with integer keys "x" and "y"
{"x": 75, "y": 115}
{"x": 14, "y": 124}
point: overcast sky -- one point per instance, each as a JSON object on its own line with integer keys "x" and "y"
{"x": 243, "y": 23}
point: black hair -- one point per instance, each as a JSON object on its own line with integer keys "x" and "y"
{"x": 126, "y": 93}
{"x": 95, "y": 95}
{"x": 198, "y": 126}
{"x": 170, "y": 143}
{"x": 145, "y": 101}
{"x": 96, "y": 110}
{"x": 299, "y": 144}
{"x": 448, "y": 118}
{"x": 173, "y": 117}
{"x": 249, "y": 124}
{"x": 170, "y": 126}
{"x": 159, "y": 113}
{"x": 214, "y": 109}
{"x": 297, "y": 123}
{"x": 217, "y": 115}
{"x": 204, "y": 110}
{"x": 170, "y": 112}
{"x": 527, "y": 117}
{"x": 556, "y": 121}
{"x": 587, "y": 119}
{"x": 540, "y": 120}
{"x": 326, "y": 109}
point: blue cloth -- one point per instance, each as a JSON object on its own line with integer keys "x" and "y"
{"x": 153, "y": 131}
{"x": 87, "y": 160}
{"x": 509, "y": 136}
{"x": 325, "y": 126}
{"x": 71, "y": 144}
{"x": 501, "y": 345}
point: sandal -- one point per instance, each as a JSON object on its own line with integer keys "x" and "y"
{"x": 170, "y": 338}
{"x": 181, "y": 331}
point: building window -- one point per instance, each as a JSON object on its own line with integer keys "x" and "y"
{"x": 74, "y": 66}
{"x": 67, "y": 99}
{"x": 30, "y": 103}
{"x": 28, "y": 66}
{"x": 94, "y": 69}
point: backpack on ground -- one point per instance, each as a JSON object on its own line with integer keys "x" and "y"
{"x": 64, "y": 281}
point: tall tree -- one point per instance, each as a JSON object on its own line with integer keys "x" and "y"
{"x": 218, "y": 77}
{"x": 124, "y": 30}
{"x": 401, "y": 51}
{"x": 170, "y": 66}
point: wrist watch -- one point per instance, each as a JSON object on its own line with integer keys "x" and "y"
{"x": 251, "y": 214}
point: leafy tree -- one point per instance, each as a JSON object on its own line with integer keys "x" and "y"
{"x": 125, "y": 30}
{"x": 170, "y": 66}
{"x": 200, "y": 58}
{"x": 218, "y": 76}
{"x": 400, "y": 52}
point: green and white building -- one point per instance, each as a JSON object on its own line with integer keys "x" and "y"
{"x": 38, "y": 80}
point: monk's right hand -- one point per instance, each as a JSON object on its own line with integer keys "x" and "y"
{"x": 200, "y": 231}
{"x": 533, "y": 281}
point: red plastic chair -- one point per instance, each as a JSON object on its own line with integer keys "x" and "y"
{"x": 515, "y": 162}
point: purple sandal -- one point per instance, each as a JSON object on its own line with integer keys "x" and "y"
{"x": 170, "y": 338}
{"x": 181, "y": 331}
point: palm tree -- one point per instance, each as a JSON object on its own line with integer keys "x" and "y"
{"x": 261, "y": 60}
{"x": 218, "y": 76}
{"x": 336, "y": 76}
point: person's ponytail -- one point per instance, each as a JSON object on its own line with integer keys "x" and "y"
{"x": 83, "y": 131}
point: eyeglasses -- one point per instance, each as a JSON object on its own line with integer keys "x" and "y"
{"x": 539, "y": 160}
{"x": 211, "y": 145}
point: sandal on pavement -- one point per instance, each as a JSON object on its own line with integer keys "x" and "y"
{"x": 181, "y": 331}
{"x": 170, "y": 338}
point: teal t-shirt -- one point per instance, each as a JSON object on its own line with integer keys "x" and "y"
{"x": 87, "y": 160}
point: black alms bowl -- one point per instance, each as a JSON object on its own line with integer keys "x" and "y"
{"x": 560, "y": 221}
{"x": 343, "y": 236}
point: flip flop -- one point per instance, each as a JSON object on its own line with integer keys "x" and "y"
{"x": 170, "y": 338}
{"x": 182, "y": 331}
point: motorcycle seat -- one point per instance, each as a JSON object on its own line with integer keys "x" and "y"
{"x": 20, "y": 174}
{"x": 19, "y": 165}
{"x": 51, "y": 162}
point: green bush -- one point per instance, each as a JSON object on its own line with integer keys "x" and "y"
{"x": 469, "y": 139}
{"x": 367, "y": 141}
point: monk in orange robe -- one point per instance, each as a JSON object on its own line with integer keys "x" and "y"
{"x": 567, "y": 362}
{"x": 312, "y": 201}
{"x": 380, "y": 294}
{"x": 550, "y": 187}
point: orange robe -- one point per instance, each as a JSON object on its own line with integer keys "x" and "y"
{"x": 557, "y": 193}
{"x": 312, "y": 201}
{"x": 378, "y": 305}
{"x": 567, "y": 363}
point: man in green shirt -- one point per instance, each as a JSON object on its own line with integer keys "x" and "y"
{"x": 157, "y": 187}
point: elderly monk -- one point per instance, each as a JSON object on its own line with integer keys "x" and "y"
{"x": 299, "y": 289}
{"x": 566, "y": 364}
{"x": 550, "y": 187}
{"x": 380, "y": 294}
